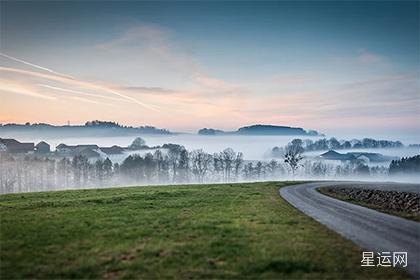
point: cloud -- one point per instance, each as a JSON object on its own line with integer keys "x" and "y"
{"x": 151, "y": 35}
{"x": 209, "y": 83}
{"x": 147, "y": 90}
{"x": 151, "y": 51}
{"x": 367, "y": 57}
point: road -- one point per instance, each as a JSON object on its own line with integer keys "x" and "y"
{"x": 372, "y": 230}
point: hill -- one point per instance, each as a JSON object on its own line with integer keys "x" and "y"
{"x": 261, "y": 129}
{"x": 89, "y": 129}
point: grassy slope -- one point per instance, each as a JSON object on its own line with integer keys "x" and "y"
{"x": 231, "y": 231}
{"x": 381, "y": 208}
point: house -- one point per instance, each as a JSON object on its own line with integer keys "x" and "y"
{"x": 114, "y": 150}
{"x": 42, "y": 147}
{"x": 14, "y": 146}
{"x": 89, "y": 151}
{"x": 333, "y": 155}
{"x": 63, "y": 148}
{"x": 372, "y": 157}
{"x": 360, "y": 156}
{"x": 86, "y": 152}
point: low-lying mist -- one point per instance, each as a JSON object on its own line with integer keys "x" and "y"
{"x": 29, "y": 173}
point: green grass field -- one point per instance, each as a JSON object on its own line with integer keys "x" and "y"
{"x": 197, "y": 231}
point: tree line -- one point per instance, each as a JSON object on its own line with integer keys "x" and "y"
{"x": 410, "y": 165}
{"x": 172, "y": 165}
{"x": 324, "y": 144}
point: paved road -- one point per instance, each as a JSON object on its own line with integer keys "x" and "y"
{"x": 370, "y": 229}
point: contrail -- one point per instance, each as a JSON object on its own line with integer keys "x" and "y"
{"x": 77, "y": 82}
{"x": 130, "y": 98}
{"x": 91, "y": 101}
{"x": 34, "y": 65}
{"x": 84, "y": 93}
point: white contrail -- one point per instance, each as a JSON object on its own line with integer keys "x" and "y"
{"x": 34, "y": 65}
{"x": 84, "y": 93}
{"x": 77, "y": 82}
{"x": 82, "y": 99}
{"x": 130, "y": 98}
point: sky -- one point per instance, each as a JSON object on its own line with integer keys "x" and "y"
{"x": 333, "y": 66}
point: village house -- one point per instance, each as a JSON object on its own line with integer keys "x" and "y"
{"x": 114, "y": 150}
{"x": 364, "y": 157}
{"x": 14, "y": 146}
{"x": 89, "y": 151}
{"x": 42, "y": 147}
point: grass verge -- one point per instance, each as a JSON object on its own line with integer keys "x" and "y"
{"x": 197, "y": 231}
{"x": 379, "y": 207}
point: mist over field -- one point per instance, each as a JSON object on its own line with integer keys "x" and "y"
{"x": 253, "y": 147}
{"x": 191, "y": 158}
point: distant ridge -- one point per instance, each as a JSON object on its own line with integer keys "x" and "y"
{"x": 89, "y": 129}
{"x": 261, "y": 129}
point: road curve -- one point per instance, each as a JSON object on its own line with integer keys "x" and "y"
{"x": 372, "y": 230}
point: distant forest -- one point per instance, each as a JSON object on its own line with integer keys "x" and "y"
{"x": 405, "y": 165}
{"x": 90, "y": 128}
{"x": 324, "y": 144}
{"x": 260, "y": 129}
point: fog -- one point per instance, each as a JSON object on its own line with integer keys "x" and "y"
{"x": 253, "y": 147}
{"x": 205, "y": 159}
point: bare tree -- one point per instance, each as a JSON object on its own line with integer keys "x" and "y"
{"x": 174, "y": 157}
{"x": 237, "y": 164}
{"x": 137, "y": 144}
{"x": 293, "y": 155}
{"x": 162, "y": 166}
{"x": 200, "y": 163}
{"x": 228, "y": 155}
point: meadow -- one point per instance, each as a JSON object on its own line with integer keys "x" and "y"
{"x": 185, "y": 231}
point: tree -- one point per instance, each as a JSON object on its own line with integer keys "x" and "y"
{"x": 149, "y": 167}
{"x": 107, "y": 169}
{"x": 137, "y": 144}
{"x": 133, "y": 168}
{"x": 259, "y": 169}
{"x": 218, "y": 165}
{"x": 293, "y": 155}
{"x": 227, "y": 156}
{"x": 277, "y": 152}
{"x": 272, "y": 168}
{"x": 174, "y": 157}
{"x": 346, "y": 145}
{"x": 162, "y": 166}
{"x": 319, "y": 168}
{"x": 334, "y": 144}
{"x": 248, "y": 170}
{"x": 99, "y": 172}
{"x": 200, "y": 163}
{"x": 362, "y": 169}
{"x": 183, "y": 166}
{"x": 405, "y": 165}
{"x": 237, "y": 164}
